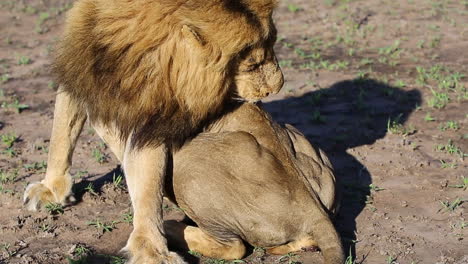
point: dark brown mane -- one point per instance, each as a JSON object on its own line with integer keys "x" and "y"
{"x": 130, "y": 66}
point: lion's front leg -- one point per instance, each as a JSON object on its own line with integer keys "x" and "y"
{"x": 56, "y": 186}
{"x": 145, "y": 169}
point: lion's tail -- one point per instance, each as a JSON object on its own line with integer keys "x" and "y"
{"x": 328, "y": 240}
{"x": 323, "y": 235}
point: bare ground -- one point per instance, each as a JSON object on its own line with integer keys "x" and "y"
{"x": 379, "y": 85}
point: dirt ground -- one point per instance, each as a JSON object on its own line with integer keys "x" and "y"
{"x": 380, "y": 85}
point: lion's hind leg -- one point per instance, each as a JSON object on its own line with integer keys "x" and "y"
{"x": 195, "y": 239}
{"x": 293, "y": 246}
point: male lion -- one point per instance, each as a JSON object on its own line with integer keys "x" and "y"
{"x": 247, "y": 178}
{"x": 150, "y": 74}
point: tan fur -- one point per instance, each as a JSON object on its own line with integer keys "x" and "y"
{"x": 150, "y": 74}
{"x": 293, "y": 246}
{"x": 248, "y": 178}
{"x": 185, "y": 237}
{"x": 158, "y": 69}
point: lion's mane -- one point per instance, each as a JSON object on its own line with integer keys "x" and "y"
{"x": 129, "y": 64}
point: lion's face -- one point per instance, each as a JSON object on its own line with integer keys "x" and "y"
{"x": 234, "y": 46}
{"x": 258, "y": 73}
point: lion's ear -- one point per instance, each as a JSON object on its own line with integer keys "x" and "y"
{"x": 191, "y": 34}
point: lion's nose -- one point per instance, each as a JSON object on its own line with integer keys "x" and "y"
{"x": 276, "y": 83}
{"x": 275, "y": 80}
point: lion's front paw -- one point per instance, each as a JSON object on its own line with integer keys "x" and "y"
{"x": 37, "y": 195}
{"x": 172, "y": 258}
{"x": 143, "y": 250}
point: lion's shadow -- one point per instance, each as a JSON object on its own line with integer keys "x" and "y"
{"x": 348, "y": 114}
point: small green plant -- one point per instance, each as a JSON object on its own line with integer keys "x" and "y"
{"x": 216, "y": 261}
{"x": 8, "y": 139}
{"x": 15, "y": 105}
{"x": 291, "y": 258}
{"x": 99, "y": 156}
{"x": 54, "y": 208}
{"x": 349, "y": 258}
{"x": 375, "y": 188}
{"x": 80, "y": 254}
{"x": 428, "y": 117}
{"x": 90, "y": 189}
{"x": 4, "y": 190}
{"x": 24, "y": 60}
{"x": 80, "y": 174}
{"x": 43, "y": 16}
{"x": 117, "y": 180}
{"x": 127, "y": 218}
{"x": 395, "y": 127}
{"x": 390, "y": 54}
{"x": 285, "y": 63}
{"x": 103, "y": 226}
{"x": 451, "y": 206}
{"x": 445, "y": 165}
{"x": 438, "y": 100}
{"x": 435, "y": 41}
{"x": 4, "y": 78}
{"x": 10, "y": 152}
{"x": 450, "y": 148}
{"x": 420, "y": 44}
{"x": 449, "y": 125}
{"x": 30, "y": 10}
{"x": 390, "y": 260}
{"x": 194, "y": 253}
{"x": 400, "y": 84}
{"x": 117, "y": 260}
{"x": 6, "y": 247}
{"x": 8, "y": 176}
{"x": 366, "y": 61}
{"x": 362, "y": 75}
{"x": 36, "y": 166}
{"x": 369, "y": 200}
{"x": 81, "y": 250}
{"x": 325, "y": 64}
{"x": 463, "y": 185}
{"x": 44, "y": 227}
{"x": 52, "y": 85}
{"x": 293, "y": 8}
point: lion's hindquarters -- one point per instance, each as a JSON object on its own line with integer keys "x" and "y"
{"x": 236, "y": 188}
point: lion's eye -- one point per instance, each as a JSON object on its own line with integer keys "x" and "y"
{"x": 252, "y": 67}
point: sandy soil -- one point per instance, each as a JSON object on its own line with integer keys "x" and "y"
{"x": 379, "y": 85}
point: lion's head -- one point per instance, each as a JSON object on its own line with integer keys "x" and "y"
{"x": 159, "y": 69}
{"x": 258, "y": 74}
{"x": 234, "y": 43}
